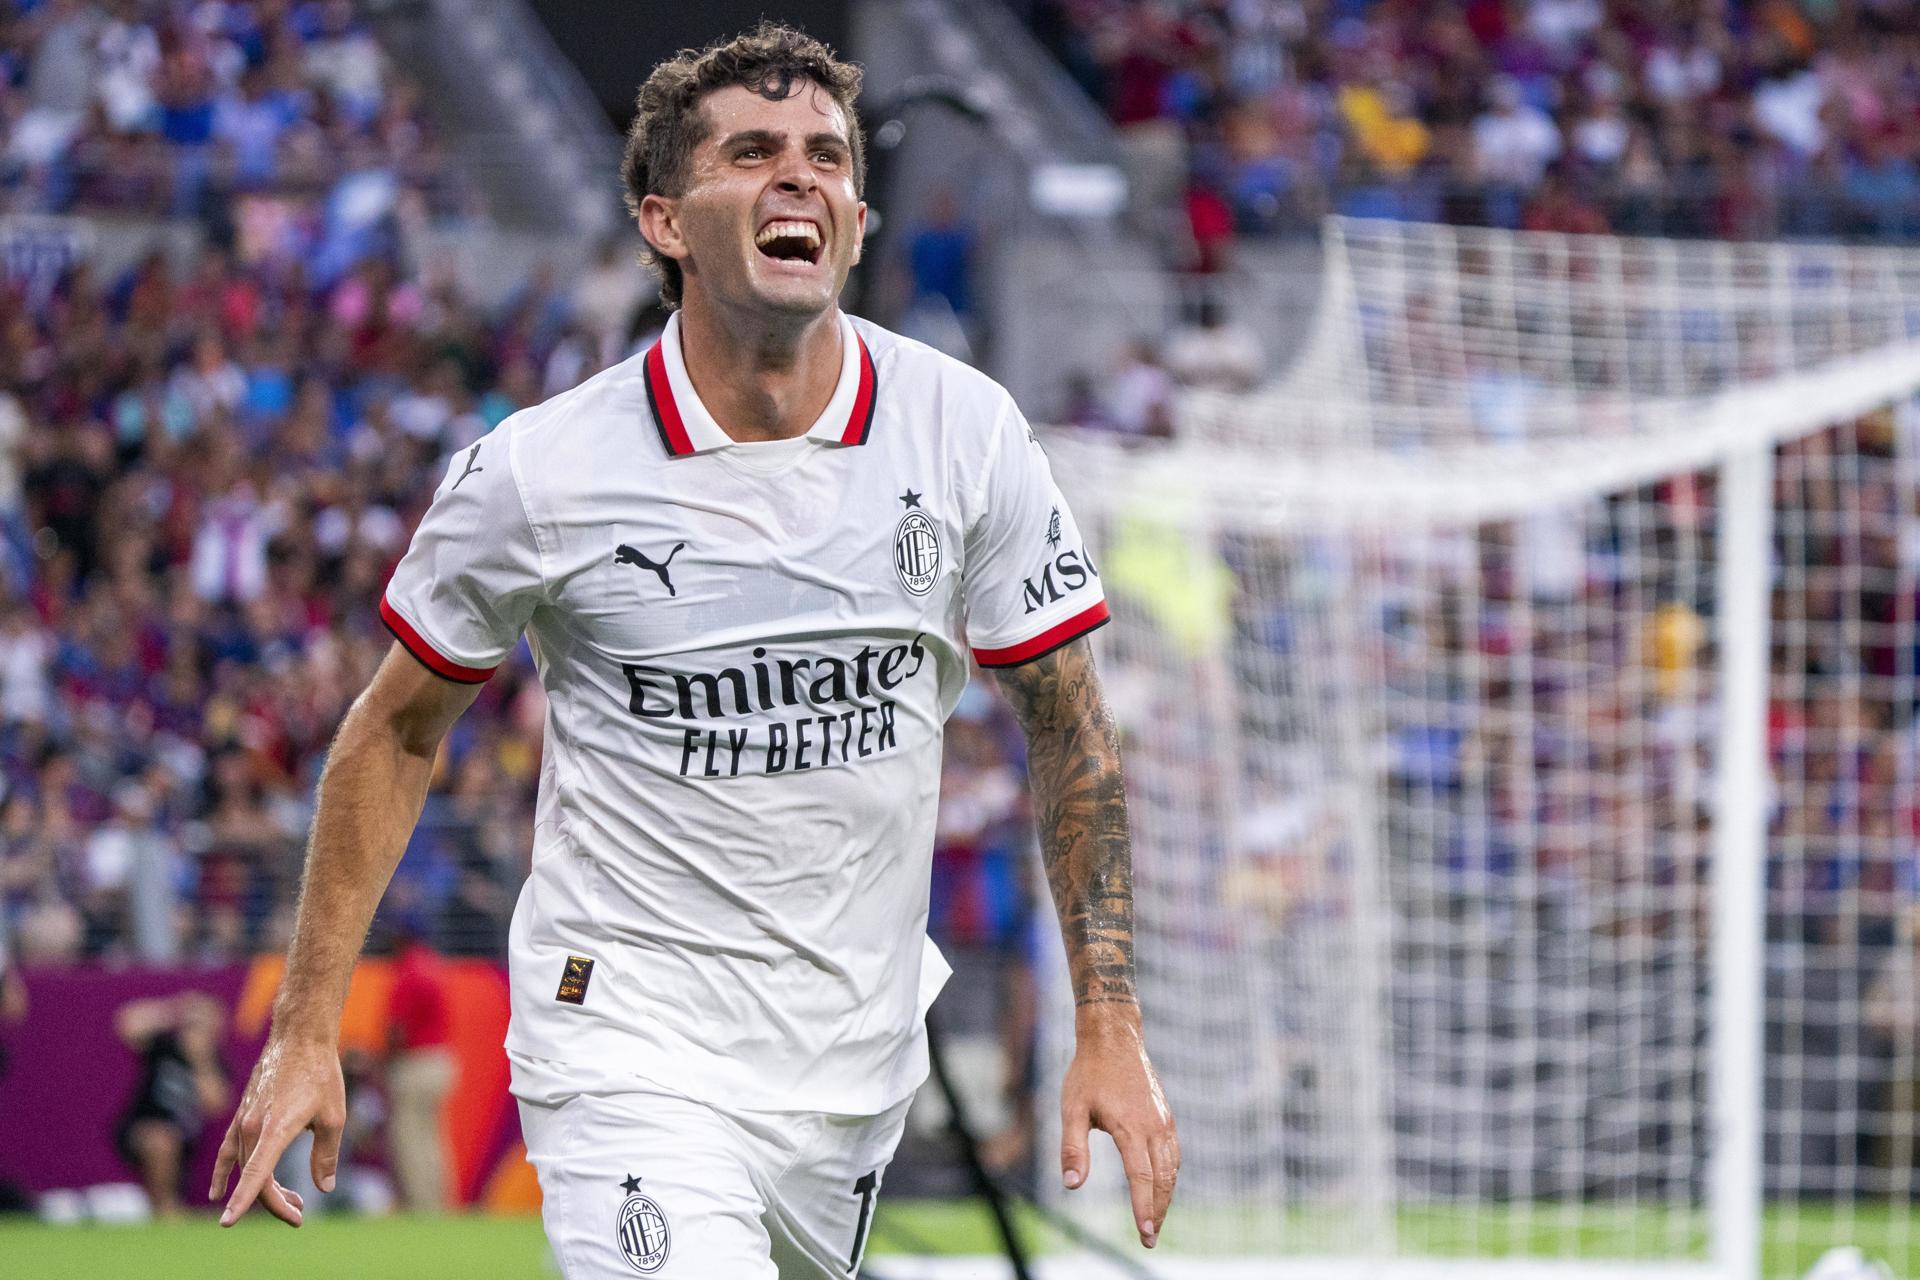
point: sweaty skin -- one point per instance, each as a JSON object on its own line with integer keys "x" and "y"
{"x": 761, "y": 337}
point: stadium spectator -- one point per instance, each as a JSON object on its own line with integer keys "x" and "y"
{"x": 345, "y": 61}
{"x": 1556, "y": 206}
{"x": 1892, "y": 1015}
{"x": 13, "y": 1009}
{"x": 1513, "y": 142}
{"x": 1215, "y": 351}
{"x": 181, "y": 1080}
{"x": 1082, "y": 406}
{"x": 420, "y": 1072}
{"x": 1139, "y": 395}
{"x": 940, "y": 254}
{"x": 13, "y": 989}
{"x": 1209, "y": 222}
{"x": 130, "y": 876}
{"x": 607, "y": 297}
{"x": 16, "y": 552}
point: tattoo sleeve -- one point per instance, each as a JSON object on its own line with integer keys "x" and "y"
{"x": 1073, "y": 760}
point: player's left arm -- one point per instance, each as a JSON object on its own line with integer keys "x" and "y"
{"x": 1073, "y": 755}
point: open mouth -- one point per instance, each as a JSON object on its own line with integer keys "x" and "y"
{"x": 789, "y": 240}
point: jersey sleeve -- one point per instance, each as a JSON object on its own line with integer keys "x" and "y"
{"x": 472, "y": 575}
{"x": 1030, "y": 584}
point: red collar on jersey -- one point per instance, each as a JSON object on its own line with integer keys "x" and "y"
{"x": 673, "y": 429}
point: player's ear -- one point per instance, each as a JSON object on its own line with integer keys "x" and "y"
{"x": 859, "y": 230}
{"x": 660, "y": 225}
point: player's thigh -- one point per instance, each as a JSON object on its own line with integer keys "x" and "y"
{"x": 823, "y": 1205}
{"x": 646, "y": 1183}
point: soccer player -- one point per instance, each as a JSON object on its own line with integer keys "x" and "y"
{"x": 750, "y": 564}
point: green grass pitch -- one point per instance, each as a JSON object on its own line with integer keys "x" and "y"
{"x": 465, "y": 1248}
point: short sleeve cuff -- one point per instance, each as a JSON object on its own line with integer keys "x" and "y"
{"x": 428, "y": 656}
{"x": 1047, "y": 641}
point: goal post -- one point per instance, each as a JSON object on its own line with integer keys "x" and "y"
{"x": 1736, "y": 1014}
{"x": 1493, "y": 918}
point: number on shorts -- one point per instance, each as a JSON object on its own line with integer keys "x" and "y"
{"x": 865, "y": 1188}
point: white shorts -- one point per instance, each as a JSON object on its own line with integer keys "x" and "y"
{"x": 656, "y": 1184}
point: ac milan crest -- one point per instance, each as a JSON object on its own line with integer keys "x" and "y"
{"x": 642, "y": 1231}
{"x": 916, "y": 552}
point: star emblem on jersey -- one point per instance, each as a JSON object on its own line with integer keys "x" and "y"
{"x": 624, "y": 554}
{"x": 1053, "y": 528}
{"x": 916, "y": 548}
{"x": 641, "y": 1230}
{"x": 471, "y": 455}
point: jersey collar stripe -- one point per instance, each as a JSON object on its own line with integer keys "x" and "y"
{"x": 857, "y": 395}
{"x": 860, "y": 421}
{"x": 666, "y": 413}
{"x": 426, "y": 654}
{"x": 1047, "y": 641}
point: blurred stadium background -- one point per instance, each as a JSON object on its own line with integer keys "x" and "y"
{"x": 1498, "y": 426}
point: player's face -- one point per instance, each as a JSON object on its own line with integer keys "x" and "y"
{"x": 769, "y": 218}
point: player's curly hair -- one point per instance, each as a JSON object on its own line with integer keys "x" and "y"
{"x": 668, "y": 124}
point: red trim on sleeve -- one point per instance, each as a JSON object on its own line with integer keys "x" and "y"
{"x": 860, "y": 421}
{"x": 666, "y": 414}
{"x": 1047, "y": 641}
{"x": 428, "y": 656}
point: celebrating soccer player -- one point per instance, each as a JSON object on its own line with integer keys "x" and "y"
{"x": 750, "y": 564}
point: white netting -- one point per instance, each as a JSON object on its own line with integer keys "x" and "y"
{"x": 1418, "y": 655}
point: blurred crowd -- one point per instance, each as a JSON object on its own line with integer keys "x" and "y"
{"x": 163, "y": 107}
{"x": 1703, "y": 117}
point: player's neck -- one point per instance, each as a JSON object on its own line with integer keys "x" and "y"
{"x": 760, "y": 380}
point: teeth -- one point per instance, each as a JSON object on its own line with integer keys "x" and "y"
{"x": 780, "y": 230}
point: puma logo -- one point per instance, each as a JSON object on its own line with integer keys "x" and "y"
{"x": 624, "y": 554}
{"x": 471, "y": 455}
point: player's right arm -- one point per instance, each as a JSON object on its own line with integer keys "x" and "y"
{"x": 370, "y": 796}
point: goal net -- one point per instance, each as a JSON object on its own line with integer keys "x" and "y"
{"x": 1519, "y": 701}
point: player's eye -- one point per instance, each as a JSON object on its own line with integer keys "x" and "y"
{"x": 827, "y": 157}
{"x": 751, "y": 153}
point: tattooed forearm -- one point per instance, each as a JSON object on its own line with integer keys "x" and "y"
{"x": 1073, "y": 755}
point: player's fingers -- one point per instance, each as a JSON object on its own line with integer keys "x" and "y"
{"x": 1166, "y": 1172}
{"x": 255, "y": 1175}
{"x": 1138, "y": 1162}
{"x": 229, "y": 1156}
{"x": 326, "y": 1153}
{"x": 245, "y": 1192}
{"x": 280, "y": 1202}
{"x": 1074, "y": 1123}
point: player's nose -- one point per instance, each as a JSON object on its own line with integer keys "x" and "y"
{"x": 795, "y": 176}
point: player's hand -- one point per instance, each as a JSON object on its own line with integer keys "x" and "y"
{"x": 1112, "y": 1086}
{"x": 296, "y": 1085}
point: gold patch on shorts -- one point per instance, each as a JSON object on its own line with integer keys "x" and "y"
{"x": 573, "y": 981}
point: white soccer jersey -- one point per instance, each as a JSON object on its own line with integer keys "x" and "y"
{"x": 749, "y": 651}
